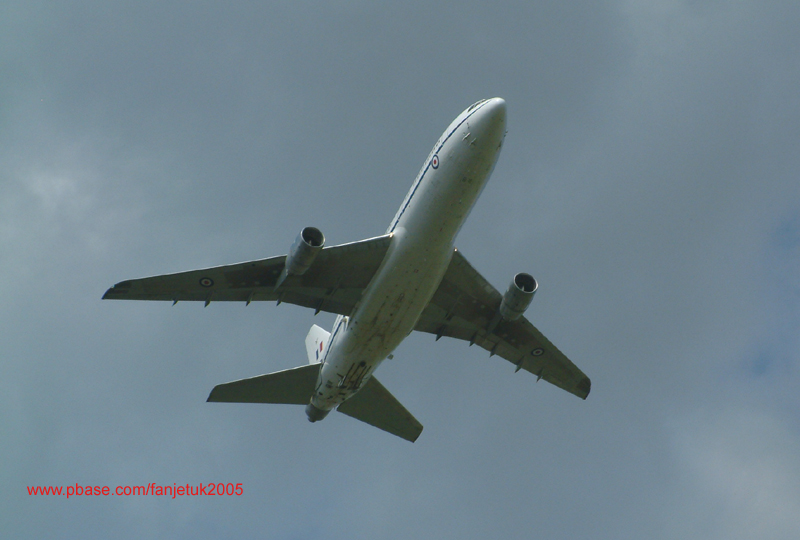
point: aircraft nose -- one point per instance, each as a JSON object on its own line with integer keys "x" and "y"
{"x": 492, "y": 117}
{"x": 496, "y": 108}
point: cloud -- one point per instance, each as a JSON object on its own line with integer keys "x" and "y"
{"x": 737, "y": 474}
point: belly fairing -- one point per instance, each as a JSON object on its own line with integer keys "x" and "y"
{"x": 386, "y": 314}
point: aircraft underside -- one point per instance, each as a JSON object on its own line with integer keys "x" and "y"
{"x": 383, "y": 288}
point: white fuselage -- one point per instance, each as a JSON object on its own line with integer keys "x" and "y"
{"x": 423, "y": 232}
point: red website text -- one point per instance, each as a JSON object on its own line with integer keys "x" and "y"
{"x": 151, "y": 489}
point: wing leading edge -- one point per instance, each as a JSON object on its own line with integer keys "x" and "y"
{"x": 463, "y": 308}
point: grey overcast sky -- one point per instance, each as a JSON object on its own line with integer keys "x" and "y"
{"x": 650, "y": 181}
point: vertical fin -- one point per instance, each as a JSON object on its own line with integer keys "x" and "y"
{"x": 316, "y": 343}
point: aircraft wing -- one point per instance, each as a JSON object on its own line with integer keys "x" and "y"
{"x": 463, "y": 307}
{"x": 334, "y": 282}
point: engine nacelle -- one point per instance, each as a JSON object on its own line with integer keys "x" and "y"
{"x": 304, "y": 250}
{"x": 518, "y": 296}
{"x": 302, "y": 253}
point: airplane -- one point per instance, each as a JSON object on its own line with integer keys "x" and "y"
{"x": 383, "y": 288}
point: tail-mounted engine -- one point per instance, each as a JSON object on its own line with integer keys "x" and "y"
{"x": 518, "y": 296}
{"x": 302, "y": 253}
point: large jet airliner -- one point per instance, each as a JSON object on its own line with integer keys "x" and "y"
{"x": 382, "y": 288}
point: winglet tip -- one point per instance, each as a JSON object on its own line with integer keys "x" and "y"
{"x": 584, "y": 387}
{"x": 118, "y": 289}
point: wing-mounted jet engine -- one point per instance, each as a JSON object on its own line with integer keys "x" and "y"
{"x": 301, "y": 255}
{"x": 515, "y": 300}
{"x": 518, "y": 296}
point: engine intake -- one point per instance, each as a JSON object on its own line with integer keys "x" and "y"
{"x": 304, "y": 250}
{"x": 301, "y": 255}
{"x": 518, "y": 296}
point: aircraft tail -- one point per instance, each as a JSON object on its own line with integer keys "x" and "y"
{"x": 373, "y": 404}
{"x": 316, "y": 343}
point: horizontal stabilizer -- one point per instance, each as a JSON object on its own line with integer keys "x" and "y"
{"x": 377, "y": 407}
{"x": 292, "y": 386}
{"x": 372, "y": 404}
